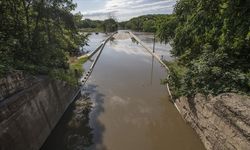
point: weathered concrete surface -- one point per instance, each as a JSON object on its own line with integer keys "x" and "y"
{"x": 14, "y": 82}
{"x": 222, "y": 122}
{"x": 28, "y": 116}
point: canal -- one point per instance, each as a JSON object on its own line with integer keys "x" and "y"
{"x": 124, "y": 106}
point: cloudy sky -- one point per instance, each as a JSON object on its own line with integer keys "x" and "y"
{"x": 122, "y": 9}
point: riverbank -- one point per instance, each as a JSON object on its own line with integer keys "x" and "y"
{"x": 226, "y": 129}
{"x": 222, "y": 122}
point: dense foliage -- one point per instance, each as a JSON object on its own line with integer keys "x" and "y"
{"x": 147, "y": 23}
{"x": 108, "y": 25}
{"x": 212, "y": 41}
{"x": 38, "y": 35}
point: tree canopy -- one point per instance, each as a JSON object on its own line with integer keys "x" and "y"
{"x": 37, "y": 35}
{"x": 108, "y": 25}
{"x": 212, "y": 42}
{"x": 146, "y": 23}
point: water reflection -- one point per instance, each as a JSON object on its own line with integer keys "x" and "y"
{"x": 73, "y": 131}
{"x": 94, "y": 41}
{"x": 130, "y": 109}
{"x": 152, "y": 70}
{"x": 161, "y": 49}
{"x": 97, "y": 100}
{"x": 136, "y": 113}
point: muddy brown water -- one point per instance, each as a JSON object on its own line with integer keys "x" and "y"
{"x": 130, "y": 107}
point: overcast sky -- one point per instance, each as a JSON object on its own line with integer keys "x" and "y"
{"x": 122, "y": 9}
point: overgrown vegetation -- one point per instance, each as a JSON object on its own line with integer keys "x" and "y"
{"x": 73, "y": 73}
{"x": 212, "y": 42}
{"x": 69, "y": 76}
{"x": 37, "y": 35}
{"x": 77, "y": 64}
{"x": 176, "y": 80}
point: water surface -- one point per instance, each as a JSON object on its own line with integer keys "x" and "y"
{"x": 130, "y": 108}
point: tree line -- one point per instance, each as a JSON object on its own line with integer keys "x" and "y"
{"x": 38, "y": 36}
{"x": 146, "y": 23}
{"x": 107, "y": 25}
{"x": 211, "y": 40}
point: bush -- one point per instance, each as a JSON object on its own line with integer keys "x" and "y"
{"x": 64, "y": 75}
{"x": 211, "y": 40}
{"x": 176, "y": 78}
{"x": 78, "y": 64}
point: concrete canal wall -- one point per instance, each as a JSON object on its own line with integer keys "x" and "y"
{"x": 222, "y": 122}
{"x": 30, "y": 107}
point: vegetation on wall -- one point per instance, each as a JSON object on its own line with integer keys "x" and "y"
{"x": 37, "y": 36}
{"x": 212, "y": 42}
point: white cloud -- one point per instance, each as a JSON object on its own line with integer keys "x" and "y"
{"x": 126, "y": 9}
{"x": 159, "y": 3}
{"x": 116, "y": 4}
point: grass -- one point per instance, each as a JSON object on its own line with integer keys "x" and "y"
{"x": 64, "y": 75}
{"x": 76, "y": 64}
{"x": 176, "y": 78}
{"x": 72, "y": 74}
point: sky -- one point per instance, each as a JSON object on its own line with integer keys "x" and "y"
{"x": 122, "y": 10}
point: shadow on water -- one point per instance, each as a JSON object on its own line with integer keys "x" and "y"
{"x": 128, "y": 110}
{"x": 97, "y": 100}
{"x": 74, "y": 132}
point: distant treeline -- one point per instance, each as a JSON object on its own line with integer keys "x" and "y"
{"x": 146, "y": 23}
{"x": 108, "y": 25}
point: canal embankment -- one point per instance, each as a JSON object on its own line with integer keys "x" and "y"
{"x": 30, "y": 107}
{"x": 130, "y": 107}
{"x": 222, "y": 122}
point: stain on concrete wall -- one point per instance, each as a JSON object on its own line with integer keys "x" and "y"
{"x": 222, "y": 122}
{"x": 29, "y": 114}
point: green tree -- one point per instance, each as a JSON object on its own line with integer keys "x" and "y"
{"x": 211, "y": 40}
{"x": 36, "y": 35}
{"x": 149, "y": 26}
{"x": 146, "y": 23}
{"x": 110, "y": 25}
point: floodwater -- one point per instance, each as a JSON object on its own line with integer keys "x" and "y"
{"x": 161, "y": 49}
{"x": 130, "y": 108}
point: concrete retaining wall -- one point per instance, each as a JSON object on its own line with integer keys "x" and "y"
{"x": 28, "y": 116}
{"x": 222, "y": 122}
{"x": 12, "y": 83}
